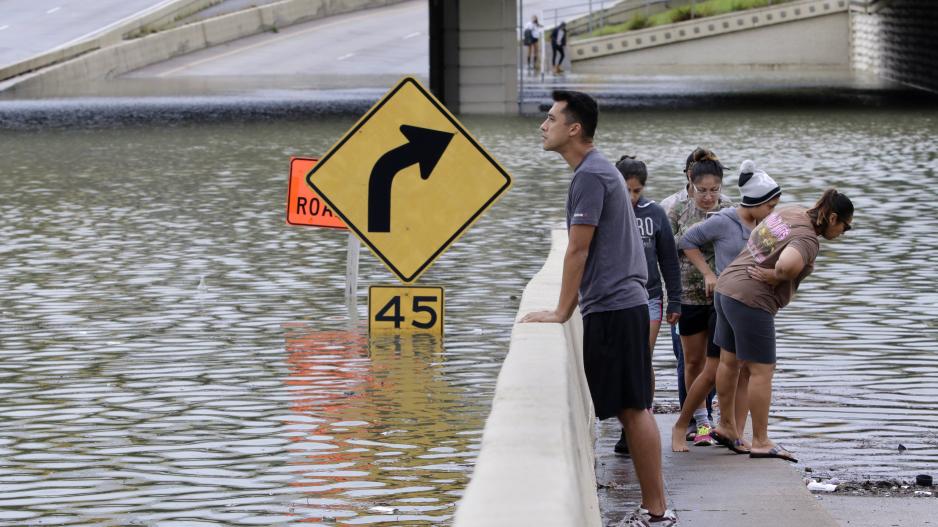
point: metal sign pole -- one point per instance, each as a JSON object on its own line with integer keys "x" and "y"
{"x": 589, "y": 26}
{"x": 351, "y": 269}
{"x": 543, "y": 53}
{"x": 521, "y": 57}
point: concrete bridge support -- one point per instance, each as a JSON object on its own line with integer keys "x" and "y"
{"x": 474, "y": 55}
{"x": 896, "y": 40}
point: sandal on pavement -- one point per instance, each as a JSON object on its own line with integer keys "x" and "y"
{"x": 736, "y": 445}
{"x": 776, "y": 452}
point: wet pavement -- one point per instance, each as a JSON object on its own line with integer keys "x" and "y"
{"x": 712, "y": 486}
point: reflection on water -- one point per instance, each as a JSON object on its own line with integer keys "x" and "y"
{"x": 374, "y": 438}
{"x": 174, "y": 354}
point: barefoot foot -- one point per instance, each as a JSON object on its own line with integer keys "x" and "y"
{"x": 678, "y": 443}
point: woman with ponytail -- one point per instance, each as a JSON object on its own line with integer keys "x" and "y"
{"x": 697, "y": 314}
{"x": 727, "y": 232}
{"x": 780, "y": 254}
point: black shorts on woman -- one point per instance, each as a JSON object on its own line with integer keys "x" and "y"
{"x": 696, "y": 318}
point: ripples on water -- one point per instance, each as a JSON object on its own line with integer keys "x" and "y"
{"x": 174, "y": 354}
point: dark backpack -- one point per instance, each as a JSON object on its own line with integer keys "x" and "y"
{"x": 528, "y": 37}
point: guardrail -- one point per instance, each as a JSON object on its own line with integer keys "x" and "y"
{"x": 536, "y": 464}
{"x": 618, "y": 13}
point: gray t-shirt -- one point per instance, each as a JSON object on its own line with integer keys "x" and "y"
{"x": 724, "y": 230}
{"x": 615, "y": 273}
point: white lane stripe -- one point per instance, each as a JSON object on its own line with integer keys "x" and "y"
{"x": 268, "y": 42}
{"x": 53, "y": 10}
{"x": 412, "y": 35}
{"x": 4, "y": 27}
{"x": 346, "y": 56}
{"x": 118, "y": 23}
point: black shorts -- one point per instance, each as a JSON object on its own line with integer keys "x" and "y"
{"x": 696, "y": 318}
{"x": 617, "y": 361}
{"x": 748, "y": 332}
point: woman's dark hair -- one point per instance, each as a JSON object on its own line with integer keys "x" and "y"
{"x": 705, "y": 163}
{"x": 581, "y": 108}
{"x": 830, "y": 201}
{"x": 630, "y": 168}
{"x": 690, "y": 160}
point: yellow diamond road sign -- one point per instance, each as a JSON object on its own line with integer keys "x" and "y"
{"x": 408, "y": 179}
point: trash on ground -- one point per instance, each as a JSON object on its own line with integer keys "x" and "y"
{"x": 814, "y": 486}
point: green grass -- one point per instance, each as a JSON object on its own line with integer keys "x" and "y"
{"x": 681, "y": 14}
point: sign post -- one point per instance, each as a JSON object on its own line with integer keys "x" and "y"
{"x": 408, "y": 180}
{"x": 306, "y": 208}
{"x": 351, "y": 269}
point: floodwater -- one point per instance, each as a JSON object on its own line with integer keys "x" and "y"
{"x": 174, "y": 354}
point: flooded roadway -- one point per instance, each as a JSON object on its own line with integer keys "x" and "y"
{"x": 174, "y": 354}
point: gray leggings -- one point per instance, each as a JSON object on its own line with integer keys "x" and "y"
{"x": 746, "y": 331}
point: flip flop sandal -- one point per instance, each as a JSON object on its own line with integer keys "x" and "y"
{"x": 736, "y": 445}
{"x": 776, "y": 452}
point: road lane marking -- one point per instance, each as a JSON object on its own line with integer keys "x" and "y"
{"x": 126, "y": 19}
{"x": 346, "y": 56}
{"x": 53, "y": 10}
{"x": 4, "y": 27}
{"x": 412, "y": 35}
{"x": 265, "y": 43}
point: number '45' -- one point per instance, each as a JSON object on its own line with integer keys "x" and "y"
{"x": 394, "y": 306}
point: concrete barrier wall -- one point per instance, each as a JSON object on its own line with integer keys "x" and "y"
{"x": 127, "y": 56}
{"x": 536, "y": 463}
{"x": 798, "y": 34}
{"x": 107, "y": 37}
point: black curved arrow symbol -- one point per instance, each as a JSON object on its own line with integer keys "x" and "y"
{"x": 423, "y": 146}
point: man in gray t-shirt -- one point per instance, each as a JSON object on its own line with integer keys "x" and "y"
{"x": 615, "y": 273}
{"x": 604, "y": 272}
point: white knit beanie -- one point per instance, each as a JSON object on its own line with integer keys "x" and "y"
{"x": 755, "y": 185}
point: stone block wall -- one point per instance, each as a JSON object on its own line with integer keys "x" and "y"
{"x": 897, "y": 40}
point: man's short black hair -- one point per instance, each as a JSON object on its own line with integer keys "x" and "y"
{"x": 581, "y": 108}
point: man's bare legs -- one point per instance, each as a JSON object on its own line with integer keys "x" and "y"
{"x": 653, "y": 329}
{"x": 641, "y": 430}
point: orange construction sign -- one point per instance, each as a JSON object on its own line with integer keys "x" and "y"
{"x": 304, "y": 207}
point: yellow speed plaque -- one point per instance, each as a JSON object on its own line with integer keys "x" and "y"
{"x": 405, "y": 309}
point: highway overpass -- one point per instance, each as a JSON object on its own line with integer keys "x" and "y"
{"x": 468, "y": 51}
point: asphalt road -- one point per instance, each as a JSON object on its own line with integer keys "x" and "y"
{"x": 365, "y": 50}
{"x": 388, "y": 40}
{"x": 385, "y": 41}
{"x": 30, "y": 27}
